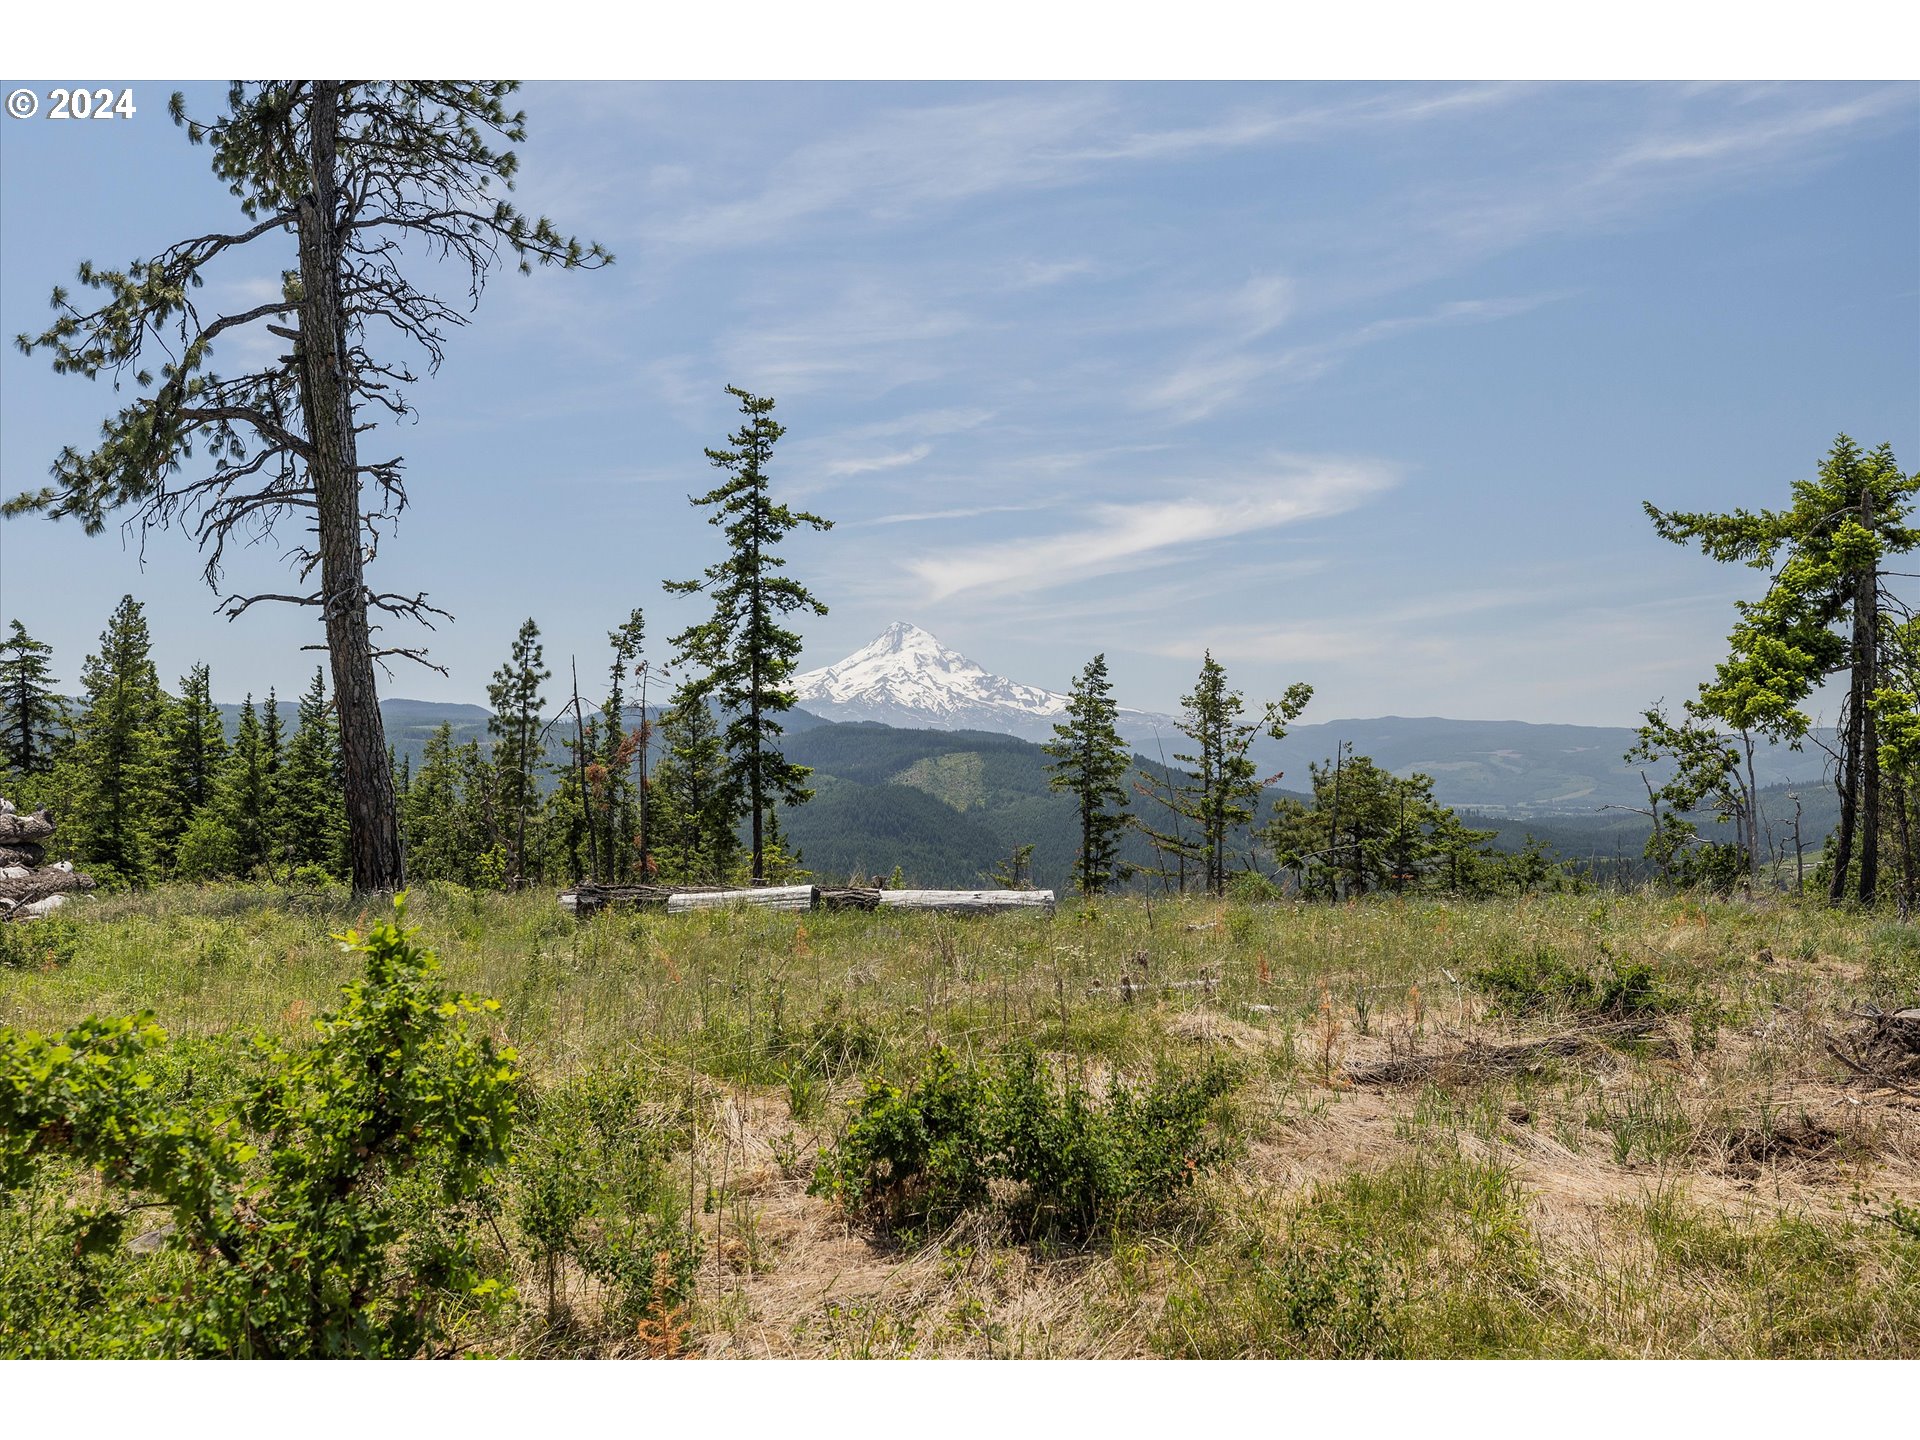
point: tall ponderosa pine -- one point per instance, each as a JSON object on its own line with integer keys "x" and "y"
{"x": 1090, "y": 762}
{"x": 32, "y": 716}
{"x": 114, "y": 768}
{"x": 1823, "y": 614}
{"x": 1226, "y": 783}
{"x": 746, "y": 654}
{"x": 338, "y": 181}
{"x": 514, "y": 697}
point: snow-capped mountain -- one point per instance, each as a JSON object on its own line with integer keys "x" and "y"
{"x": 906, "y": 677}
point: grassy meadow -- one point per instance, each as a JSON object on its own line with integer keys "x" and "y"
{"x": 1558, "y": 1125}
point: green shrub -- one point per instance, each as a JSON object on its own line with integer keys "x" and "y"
{"x": 592, "y": 1186}
{"x": 1539, "y": 980}
{"x": 321, "y": 1203}
{"x": 1528, "y": 981}
{"x": 1057, "y": 1160}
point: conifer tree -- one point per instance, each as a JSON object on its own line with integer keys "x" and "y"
{"x": 619, "y": 798}
{"x": 114, "y": 775}
{"x": 1090, "y": 762}
{"x": 696, "y": 801}
{"x": 1226, "y": 784}
{"x": 32, "y": 716}
{"x": 339, "y": 183}
{"x": 515, "y": 699}
{"x": 1822, "y": 614}
{"x": 195, "y": 747}
{"x": 312, "y": 822}
{"x": 746, "y": 653}
{"x": 246, "y": 798}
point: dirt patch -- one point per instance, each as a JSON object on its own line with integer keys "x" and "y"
{"x": 1476, "y": 1061}
{"x": 1799, "y": 1139}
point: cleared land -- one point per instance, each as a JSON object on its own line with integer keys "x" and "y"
{"x": 1558, "y": 1125}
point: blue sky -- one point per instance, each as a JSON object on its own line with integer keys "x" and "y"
{"x": 1361, "y": 385}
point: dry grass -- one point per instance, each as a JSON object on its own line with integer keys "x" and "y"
{"x": 1716, "y": 1184}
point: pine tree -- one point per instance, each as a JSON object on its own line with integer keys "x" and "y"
{"x": 746, "y": 654}
{"x": 311, "y": 821}
{"x": 1227, "y": 785}
{"x": 1090, "y": 761}
{"x": 195, "y": 747}
{"x": 516, "y": 703}
{"x": 618, "y": 797}
{"x": 114, "y": 776}
{"x": 1824, "y": 611}
{"x": 32, "y": 716}
{"x": 696, "y": 802}
{"x": 340, "y": 182}
{"x": 246, "y": 796}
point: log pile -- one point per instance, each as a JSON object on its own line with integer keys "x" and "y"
{"x": 587, "y": 898}
{"x": 765, "y": 897}
{"x": 29, "y": 889}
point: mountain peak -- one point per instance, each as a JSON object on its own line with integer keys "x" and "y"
{"x": 904, "y": 676}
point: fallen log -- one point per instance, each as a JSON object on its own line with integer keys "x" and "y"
{"x": 588, "y": 897}
{"x": 849, "y": 897}
{"x": 967, "y": 902}
{"x": 766, "y": 897}
{"x": 1477, "y": 1059}
{"x": 16, "y": 895}
{"x": 17, "y": 828}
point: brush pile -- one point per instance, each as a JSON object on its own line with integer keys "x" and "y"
{"x": 29, "y": 889}
{"x": 1884, "y": 1048}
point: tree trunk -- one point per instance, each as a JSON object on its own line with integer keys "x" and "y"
{"x": 373, "y": 828}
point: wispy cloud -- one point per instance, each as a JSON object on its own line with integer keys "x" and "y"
{"x": 1121, "y": 537}
{"x": 1219, "y": 374}
{"x": 867, "y": 464}
{"x": 968, "y": 513}
{"x": 910, "y": 160}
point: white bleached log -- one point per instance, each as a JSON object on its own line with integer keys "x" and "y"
{"x": 967, "y": 902}
{"x": 769, "y": 897}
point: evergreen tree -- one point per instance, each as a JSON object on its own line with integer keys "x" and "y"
{"x": 696, "y": 801}
{"x": 115, "y": 773}
{"x": 32, "y": 716}
{"x": 1369, "y": 830}
{"x": 1823, "y": 612}
{"x": 195, "y": 748}
{"x": 246, "y": 797}
{"x": 745, "y": 652}
{"x": 340, "y": 182}
{"x": 617, "y": 796}
{"x": 514, "y": 724}
{"x": 1090, "y": 762}
{"x": 446, "y": 829}
{"x": 312, "y": 822}
{"x": 1226, "y": 784}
